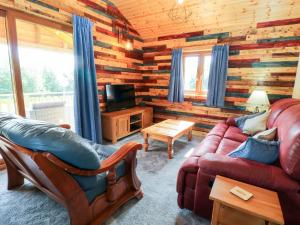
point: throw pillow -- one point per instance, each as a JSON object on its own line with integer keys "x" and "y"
{"x": 257, "y": 150}
{"x": 256, "y": 124}
{"x": 268, "y": 135}
{"x": 240, "y": 121}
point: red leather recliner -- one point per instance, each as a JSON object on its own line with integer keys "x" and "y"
{"x": 197, "y": 174}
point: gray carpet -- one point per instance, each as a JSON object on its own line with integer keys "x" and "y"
{"x": 27, "y": 205}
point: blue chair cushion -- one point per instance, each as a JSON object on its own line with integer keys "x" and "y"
{"x": 46, "y": 137}
{"x": 257, "y": 150}
{"x": 97, "y": 185}
{"x": 240, "y": 121}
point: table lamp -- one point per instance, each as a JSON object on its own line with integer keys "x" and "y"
{"x": 258, "y": 100}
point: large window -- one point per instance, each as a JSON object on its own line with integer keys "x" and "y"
{"x": 41, "y": 54}
{"x": 46, "y": 62}
{"x": 196, "y": 73}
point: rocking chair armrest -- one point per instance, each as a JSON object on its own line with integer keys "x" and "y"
{"x": 117, "y": 156}
{"x": 106, "y": 164}
{"x": 66, "y": 126}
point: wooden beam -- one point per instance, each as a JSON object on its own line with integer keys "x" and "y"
{"x": 38, "y": 18}
{"x": 15, "y": 62}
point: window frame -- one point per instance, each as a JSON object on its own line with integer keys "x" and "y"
{"x": 199, "y": 79}
{"x": 11, "y": 16}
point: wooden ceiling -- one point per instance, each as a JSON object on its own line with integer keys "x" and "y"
{"x": 150, "y": 17}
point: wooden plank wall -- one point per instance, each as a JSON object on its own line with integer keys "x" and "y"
{"x": 265, "y": 58}
{"x": 262, "y": 56}
{"x": 114, "y": 63}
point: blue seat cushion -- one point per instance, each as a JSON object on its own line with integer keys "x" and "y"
{"x": 47, "y": 137}
{"x": 258, "y": 150}
{"x": 240, "y": 121}
{"x": 97, "y": 185}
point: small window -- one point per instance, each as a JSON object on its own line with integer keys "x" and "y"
{"x": 196, "y": 73}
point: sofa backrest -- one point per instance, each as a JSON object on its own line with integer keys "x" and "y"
{"x": 278, "y": 107}
{"x": 285, "y": 115}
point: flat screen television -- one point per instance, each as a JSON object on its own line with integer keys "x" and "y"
{"x": 119, "y": 97}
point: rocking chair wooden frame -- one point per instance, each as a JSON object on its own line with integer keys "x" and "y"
{"x": 52, "y": 176}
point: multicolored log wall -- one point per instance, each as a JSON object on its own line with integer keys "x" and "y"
{"x": 114, "y": 63}
{"x": 263, "y": 56}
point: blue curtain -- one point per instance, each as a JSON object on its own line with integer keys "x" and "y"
{"x": 87, "y": 113}
{"x": 176, "y": 84}
{"x": 217, "y": 76}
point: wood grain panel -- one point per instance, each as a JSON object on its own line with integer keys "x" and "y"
{"x": 266, "y": 62}
{"x": 152, "y": 21}
{"x": 264, "y": 39}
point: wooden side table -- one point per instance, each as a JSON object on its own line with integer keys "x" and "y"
{"x": 262, "y": 209}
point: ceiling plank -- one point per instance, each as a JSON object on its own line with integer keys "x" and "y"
{"x": 150, "y": 17}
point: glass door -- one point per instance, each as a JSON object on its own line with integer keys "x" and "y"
{"x": 46, "y": 65}
{"x": 7, "y": 101}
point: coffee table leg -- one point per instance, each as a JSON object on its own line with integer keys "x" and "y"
{"x": 146, "y": 144}
{"x": 170, "y": 149}
{"x": 190, "y": 135}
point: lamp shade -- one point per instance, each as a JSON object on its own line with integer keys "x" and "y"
{"x": 258, "y": 98}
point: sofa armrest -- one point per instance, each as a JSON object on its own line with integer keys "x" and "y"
{"x": 267, "y": 176}
{"x": 231, "y": 122}
{"x": 106, "y": 165}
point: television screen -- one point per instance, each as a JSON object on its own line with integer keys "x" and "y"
{"x": 119, "y": 97}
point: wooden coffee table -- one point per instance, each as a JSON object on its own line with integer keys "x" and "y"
{"x": 262, "y": 208}
{"x": 168, "y": 131}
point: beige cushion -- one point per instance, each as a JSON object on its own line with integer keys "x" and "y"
{"x": 268, "y": 135}
{"x": 256, "y": 124}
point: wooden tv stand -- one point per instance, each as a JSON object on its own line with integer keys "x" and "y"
{"x": 119, "y": 124}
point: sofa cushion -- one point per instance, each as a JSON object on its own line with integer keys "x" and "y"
{"x": 97, "y": 185}
{"x": 208, "y": 145}
{"x": 219, "y": 129}
{"x": 230, "y": 136}
{"x": 227, "y": 145}
{"x": 235, "y": 134}
{"x": 257, "y": 150}
{"x": 46, "y": 137}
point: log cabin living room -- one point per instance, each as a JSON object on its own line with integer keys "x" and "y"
{"x": 149, "y": 112}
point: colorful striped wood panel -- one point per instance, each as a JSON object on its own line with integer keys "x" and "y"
{"x": 257, "y": 61}
{"x": 263, "y": 55}
{"x": 114, "y": 64}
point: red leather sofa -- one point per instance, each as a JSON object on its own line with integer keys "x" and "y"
{"x": 197, "y": 174}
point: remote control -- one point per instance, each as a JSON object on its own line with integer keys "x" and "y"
{"x": 241, "y": 193}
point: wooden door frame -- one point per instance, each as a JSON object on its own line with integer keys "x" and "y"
{"x": 12, "y": 15}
